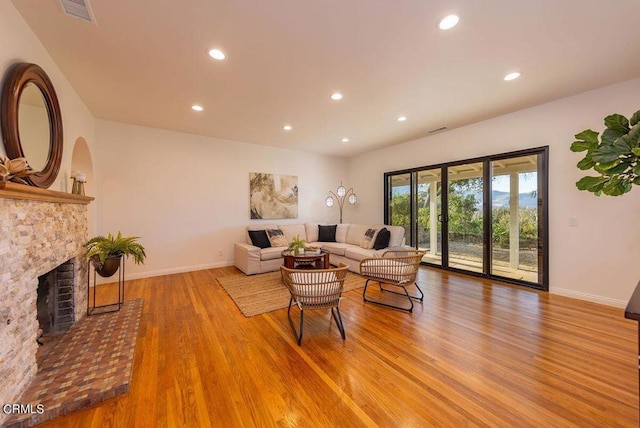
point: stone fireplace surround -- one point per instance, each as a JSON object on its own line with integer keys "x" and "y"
{"x": 39, "y": 230}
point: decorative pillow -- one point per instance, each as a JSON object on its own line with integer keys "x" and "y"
{"x": 259, "y": 238}
{"x": 327, "y": 233}
{"x": 369, "y": 238}
{"x": 382, "y": 240}
{"x": 277, "y": 238}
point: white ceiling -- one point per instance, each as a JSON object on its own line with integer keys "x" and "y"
{"x": 146, "y": 63}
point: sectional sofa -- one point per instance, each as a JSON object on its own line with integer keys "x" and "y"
{"x": 347, "y": 243}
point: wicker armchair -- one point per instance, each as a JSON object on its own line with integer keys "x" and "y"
{"x": 315, "y": 289}
{"x": 397, "y": 268}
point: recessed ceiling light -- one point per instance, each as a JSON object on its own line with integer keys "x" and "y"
{"x": 448, "y": 22}
{"x": 401, "y": 118}
{"x": 345, "y": 140}
{"x": 196, "y": 107}
{"x": 217, "y": 54}
{"x": 512, "y": 76}
{"x": 287, "y": 127}
{"x": 336, "y": 96}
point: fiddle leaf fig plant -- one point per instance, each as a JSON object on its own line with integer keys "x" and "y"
{"x": 615, "y": 156}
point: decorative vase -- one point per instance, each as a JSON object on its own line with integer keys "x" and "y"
{"x": 109, "y": 267}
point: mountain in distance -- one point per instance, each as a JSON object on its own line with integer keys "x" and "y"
{"x": 501, "y": 199}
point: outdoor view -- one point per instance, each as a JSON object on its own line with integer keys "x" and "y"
{"x": 514, "y": 215}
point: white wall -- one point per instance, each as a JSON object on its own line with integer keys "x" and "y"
{"x": 600, "y": 259}
{"x": 19, "y": 44}
{"x": 187, "y": 196}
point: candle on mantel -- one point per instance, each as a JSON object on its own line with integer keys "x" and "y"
{"x": 78, "y": 183}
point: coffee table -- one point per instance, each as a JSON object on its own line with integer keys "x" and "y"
{"x": 306, "y": 260}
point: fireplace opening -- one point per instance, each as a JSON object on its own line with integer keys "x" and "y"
{"x": 55, "y": 305}
{"x": 45, "y": 303}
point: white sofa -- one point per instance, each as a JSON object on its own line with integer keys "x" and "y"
{"x": 347, "y": 249}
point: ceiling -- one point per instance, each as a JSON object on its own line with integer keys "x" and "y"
{"x": 145, "y": 62}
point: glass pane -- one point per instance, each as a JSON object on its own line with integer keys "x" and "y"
{"x": 514, "y": 218}
{"x": 400, "y": 203}
{"x": 428, "y": 211}
{"x": 465, "y": 217}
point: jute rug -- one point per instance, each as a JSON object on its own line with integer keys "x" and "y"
{"x": 257, "y": 294}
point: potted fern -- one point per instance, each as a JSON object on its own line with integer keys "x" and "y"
{"x": 105, "y": 252}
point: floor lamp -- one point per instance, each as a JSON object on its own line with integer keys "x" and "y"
{"x": 340, "y": 195}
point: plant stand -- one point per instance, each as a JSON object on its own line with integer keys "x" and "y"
{"x": 108, "y": 307}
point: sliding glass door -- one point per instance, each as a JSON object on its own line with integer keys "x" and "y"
{"x": 429, "y": 214}
{"x": 464, "y": 216}
{"x": 484, "y": 216}
{"x": 515, "y": 218}
{"x": 400, "y": 203}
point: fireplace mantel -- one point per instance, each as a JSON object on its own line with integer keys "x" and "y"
{"x": 22, "y": 191}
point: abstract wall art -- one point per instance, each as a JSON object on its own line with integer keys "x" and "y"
{"x": 273, "y": 195}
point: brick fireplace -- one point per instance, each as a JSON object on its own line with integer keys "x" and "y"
{"x": 42, "y": 233}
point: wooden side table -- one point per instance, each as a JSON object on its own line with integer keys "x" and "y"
{"x": 306, "y": 260}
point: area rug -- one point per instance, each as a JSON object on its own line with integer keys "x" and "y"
{"x": 257, "y": 294}
{"x": 91, "y": 363}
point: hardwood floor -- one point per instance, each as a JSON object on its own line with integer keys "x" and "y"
{"x": 475, "y": 353}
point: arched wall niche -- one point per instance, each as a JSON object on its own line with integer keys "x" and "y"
{"x": 81, "y": 162}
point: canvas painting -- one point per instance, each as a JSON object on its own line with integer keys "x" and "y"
{"x": 273, "y": 195}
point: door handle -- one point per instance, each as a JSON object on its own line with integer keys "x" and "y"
{"x": 442, "y": 218}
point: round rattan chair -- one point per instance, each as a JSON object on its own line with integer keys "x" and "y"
{"x": 397, "y": 268}
{"x": 315, "y": 289}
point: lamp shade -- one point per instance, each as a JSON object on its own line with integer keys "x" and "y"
{"x": 329, "y": 201}
{"x": 341, "y": 191}
{"x": 352, "y": 199}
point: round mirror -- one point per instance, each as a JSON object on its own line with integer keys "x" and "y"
{"x": 33, "y": 127}
{"x": 31, "y": 122}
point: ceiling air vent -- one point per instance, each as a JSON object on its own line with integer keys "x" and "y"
{"x": 80, "y": 9}
{"x": 435, "y": 131}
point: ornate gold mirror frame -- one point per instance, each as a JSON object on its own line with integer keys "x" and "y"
{"x": 17, "y": 78}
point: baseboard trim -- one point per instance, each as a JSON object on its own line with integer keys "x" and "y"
{"x": 170, "y": 271}
{"x": 150, "y": 274}
{"x": 589, "y": 297}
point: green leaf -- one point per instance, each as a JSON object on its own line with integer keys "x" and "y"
{"x": 636, "y": 169}
{"x": 633, "y": 137}
{"x": 611, "y": 135}
{"x": 618, "y": 169}
{"x": 613, "y": 187}
{"x": 581, "y": 146}
{"x": 622, "y": 144}
{"x": 608, "y": 153}
{"x": 610, "y": 168}
{"x": 617, "y": 187}
{"x": 597, "y": 189}
{"x": 588, "y": 135}
{"x": 636, "y": 180}
{"x": 608, "y": 165}
{"x": 635, "y": 119}
{"x": 620, "y": 189}
{"x": 636, "y": 151}
{"x": 586, "y": 163}
{"x": 617, "y": 122}
{"x": 588, "y": 183}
